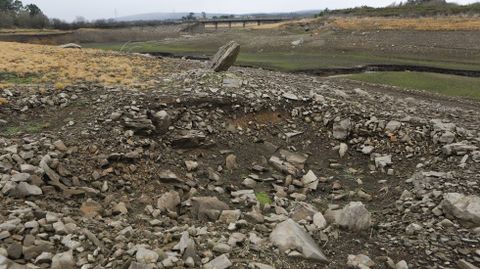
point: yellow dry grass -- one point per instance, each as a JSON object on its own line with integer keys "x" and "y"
{"x": 49, "y": 64}
{"x": 420, "y": 24}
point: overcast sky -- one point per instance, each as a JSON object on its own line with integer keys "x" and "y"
{"x": 95, "y": 9}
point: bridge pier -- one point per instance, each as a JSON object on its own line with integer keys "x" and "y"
{"x": 244, "y": 22}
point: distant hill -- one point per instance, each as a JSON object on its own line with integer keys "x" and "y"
{"x": 161, "y": 16}
{"x": 165, "y": 16}
{"x": 414, "y": 8}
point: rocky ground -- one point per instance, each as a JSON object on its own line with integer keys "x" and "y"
{"x": 242, "y": 169}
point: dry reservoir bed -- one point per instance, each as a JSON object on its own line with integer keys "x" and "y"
{"x": 245, "y": 169}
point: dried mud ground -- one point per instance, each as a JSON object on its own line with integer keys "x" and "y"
{"x": 114, "y": 151}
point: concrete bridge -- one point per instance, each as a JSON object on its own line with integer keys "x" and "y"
{"x": 244, "y": 22}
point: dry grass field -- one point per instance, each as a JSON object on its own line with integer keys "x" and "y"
{"x": 49, "y": 64}
{"x": 419, "y": 24}
{"x": 450, "y": 23}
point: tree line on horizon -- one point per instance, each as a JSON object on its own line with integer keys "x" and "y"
{"x": 14, "y": 14}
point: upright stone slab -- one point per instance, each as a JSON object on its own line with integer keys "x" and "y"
{"x": 225, "y": 57}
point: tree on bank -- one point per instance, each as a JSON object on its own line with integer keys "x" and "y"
{"x": 14, "y": 14}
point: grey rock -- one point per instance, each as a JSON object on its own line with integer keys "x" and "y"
{"x": 463, "y": 264}
{"x": 476, "y": 156}
{"x": 290, "y": 96}
{"x": 44, "y": 257}
{"x": 462, "y": 207}
{"x": 319, "y": 221}
{"x": 262, "y": 266}
{"x": 220, "y": 262}
{"x": 310, "y": 180}
{"x": 14, "y": 251}
{"x": 207, "y": 208}
{"x": 283, "y": 166}
{"x": 303, "y": 211}
{"x": 189, "y": 139}
{"x": 401, "y": 265}
{"x": 383, "y": 161}
{"x": 162, "y": 121}
{"x": 230, "y": 216}
{"x": 231, "y": 162}
{"x": 20, "y": 177}
{"x": 359, "y": 261}
{"x": 225, "y": 57}
{"x": 5, "y": 263}
{"x": 288, "y": 235}
{"x": 460, "y": 148}
{"x": 183, "y": 243}
{"x": 222, "y": 248}
{"x": 63, "y": 260}
{"x": 342, "y": 150}
{"x": 24, "y": 189}
{"x": 367, "y": 150}
{"x": 191, "y": 165}
{"x": 136, "y": 265}
{"x": 354, "y": 217}
{"x": 232, "y": 82}
{"x": 341, "y": 129}
{"x": 169, "y": 201}
{"x": 70, "y": 46}
{"x": 146, "y": 256}
{"x": 60, "y": 145}
{"x": 393, "y": 126}
{"x": 297, "y": 159}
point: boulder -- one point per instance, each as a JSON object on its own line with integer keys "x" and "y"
{"x": 220, "y": 262}
{"x": 341, "y": 129}
{"x": 383, "y": 161}
{"x": 288, "y": 235}
{"x": 207, "y": 208}
{"x": 146, "y": 256}
{"x": 6, "y": 263}
{"x": 393, "y": 126}
{"x": 63, "y": 260}
{"x": 460, "y": 148}
{"x": 359, "y": 261}
{"x": 70, "y": 46}
{"x": 24, "y": 189}
{"x": 463, "y": 264}
{"x": 464, "y": 208}
{"x": 310, "y": 180}
{"x": 225, "y": 57}
{"x": 354, "y": 217}
{"x": 169, "y": 201}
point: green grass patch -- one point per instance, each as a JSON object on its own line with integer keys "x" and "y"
{"x": 18, "y": 79}
{"x": 27, "y": 128}
{"x": 449, "y": 85}
{"x": 263, "y": 198}
{"x": 286, "y": 59}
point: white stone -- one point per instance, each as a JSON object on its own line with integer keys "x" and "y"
{"x": 220, "y": 262}
{"x": 288, "y": 235}
{"x": 146, "y": 256}
{"x": 63, "y": 260}
{"x": 357, "y": 261}
{"x": 462, "y": 207}
{"x": 319, "y": 221}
